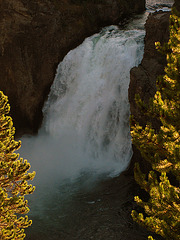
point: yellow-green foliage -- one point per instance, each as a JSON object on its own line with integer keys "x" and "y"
{"x": 13, "y": 179}
{"x": 162, "y": 147}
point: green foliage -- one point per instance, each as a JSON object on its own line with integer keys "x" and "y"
{"x": 13, "y": 179}
{"x": 161, "y": 147}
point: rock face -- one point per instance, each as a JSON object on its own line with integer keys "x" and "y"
{"x": 35, "y": 36}
{"x": 143, "y": 78}
{"x": 177, "y": 5}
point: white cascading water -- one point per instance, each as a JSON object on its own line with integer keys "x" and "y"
{"x": 85, "y": 133}
{"x": 88, "y": 103}
{"x": 86, "y": 117}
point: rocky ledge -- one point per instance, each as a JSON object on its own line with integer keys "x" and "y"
{"x": 36, "y": 35}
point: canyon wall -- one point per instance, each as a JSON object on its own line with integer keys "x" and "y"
{"x": 35, "y": 36}
{"x": 143, "y": 78}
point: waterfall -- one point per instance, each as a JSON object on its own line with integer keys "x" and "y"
{"x": 86, "y": 116}
{"x": 85, "y": 134}
{"x": 88, "y": 103}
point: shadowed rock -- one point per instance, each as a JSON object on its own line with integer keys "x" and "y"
{"x": 143, "y": 78}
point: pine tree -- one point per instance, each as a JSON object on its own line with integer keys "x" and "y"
{"x": 161, "y": 147}
{"x": 13, "y": 179}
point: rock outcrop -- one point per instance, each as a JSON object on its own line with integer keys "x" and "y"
{"x": 35, "y": 36}
{"x": 143, "y": 78}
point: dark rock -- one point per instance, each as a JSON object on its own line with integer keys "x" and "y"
{"x": 177, "y": 5}
{"x": 143, "y": 78}
{"x": 35, "y": 37}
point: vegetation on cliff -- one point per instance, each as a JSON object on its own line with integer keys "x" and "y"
{"x": 13, "y": 179}
{"x": 161, "y": 147}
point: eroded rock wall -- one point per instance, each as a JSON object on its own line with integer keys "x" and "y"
{"x": 35, "y": 36}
